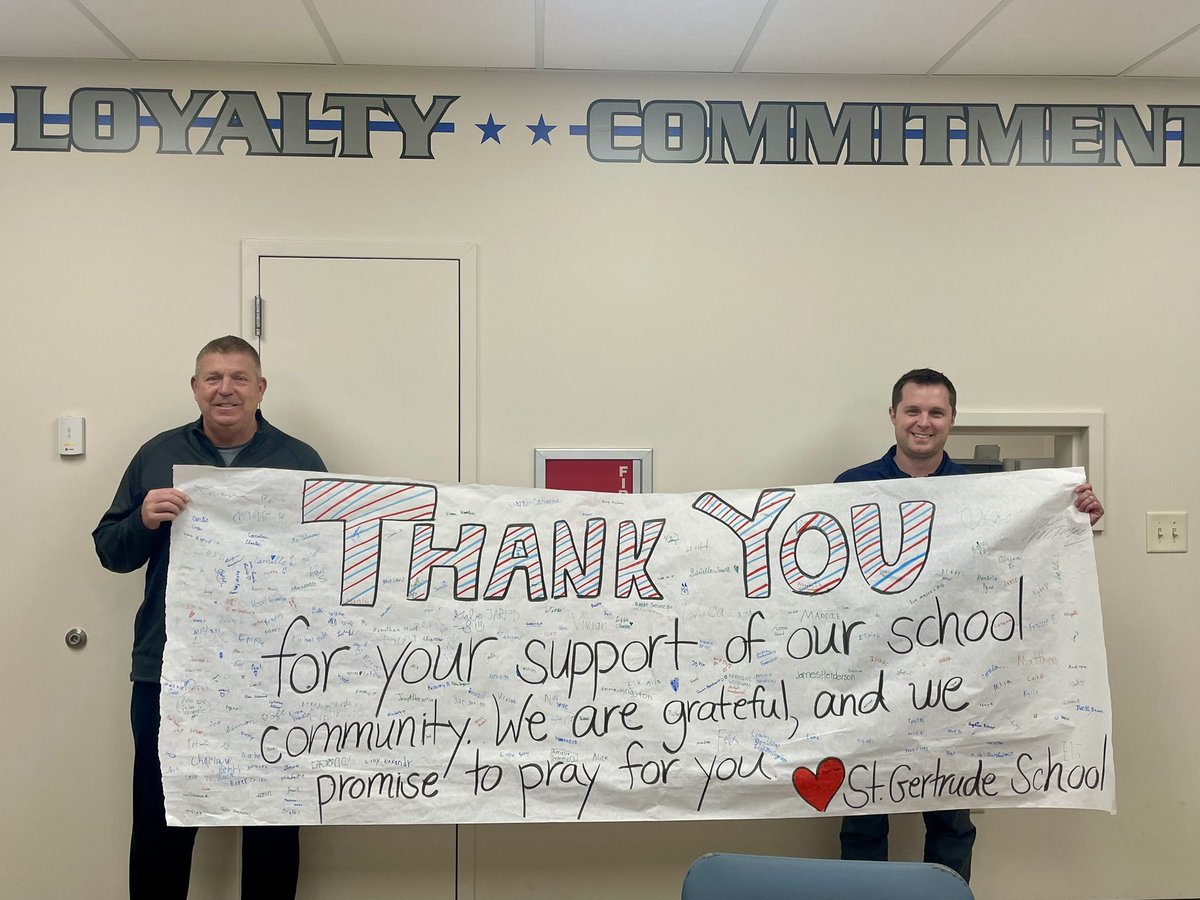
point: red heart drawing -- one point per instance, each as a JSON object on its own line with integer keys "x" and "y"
{"x": 818, "y": 789}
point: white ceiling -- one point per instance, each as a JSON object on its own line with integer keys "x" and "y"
{"x": 876, "y": 37}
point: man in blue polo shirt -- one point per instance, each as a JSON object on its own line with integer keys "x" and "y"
{"x": 924, "y": 404}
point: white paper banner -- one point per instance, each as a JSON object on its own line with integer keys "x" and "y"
{"x": 343, "y": 649}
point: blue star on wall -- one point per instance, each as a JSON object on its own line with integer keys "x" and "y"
{"x": 490, "y": 129}
{"x": 541, "y": 131}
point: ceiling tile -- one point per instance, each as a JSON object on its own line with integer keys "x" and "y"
{"x": 1072, "y": 37}
{"x": 1180, "y": 60}
{"x": 216, "y": 30}
{"x": 51, "y": 28}
{"x": 461, "y": 33}
{"x": 863, "y": 36}
{"x": 663, "y": 36}
{"x": 881, "y": 37}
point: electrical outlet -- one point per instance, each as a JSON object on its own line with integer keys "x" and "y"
{"x": 1166, "y": 532}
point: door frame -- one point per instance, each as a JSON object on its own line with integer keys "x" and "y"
{"x": 463, "y": 254}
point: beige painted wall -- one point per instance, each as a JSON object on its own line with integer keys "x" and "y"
{"x": 744, "y": 321}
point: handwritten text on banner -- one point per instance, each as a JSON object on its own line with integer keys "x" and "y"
{"x": 344, "y": 649}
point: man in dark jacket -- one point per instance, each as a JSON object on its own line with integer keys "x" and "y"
{"x": 924, "y": 404}
{"x": 228, "y": 387}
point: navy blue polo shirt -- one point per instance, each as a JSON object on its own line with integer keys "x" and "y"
{"x": 885, "y": 467}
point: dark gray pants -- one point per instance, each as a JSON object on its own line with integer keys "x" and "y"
{"x": 160, "y": 857}
{"x": 949, "y": 837}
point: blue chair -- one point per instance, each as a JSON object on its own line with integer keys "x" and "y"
{"x": 731, "y": 876}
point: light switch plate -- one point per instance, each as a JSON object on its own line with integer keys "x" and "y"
{"x": 1166, "y": 532}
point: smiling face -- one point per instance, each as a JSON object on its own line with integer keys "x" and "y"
{"x": 923, "y": 420}
{"x": 228, "y": 389}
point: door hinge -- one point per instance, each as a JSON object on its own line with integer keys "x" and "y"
{"x": 258, "y": 315}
